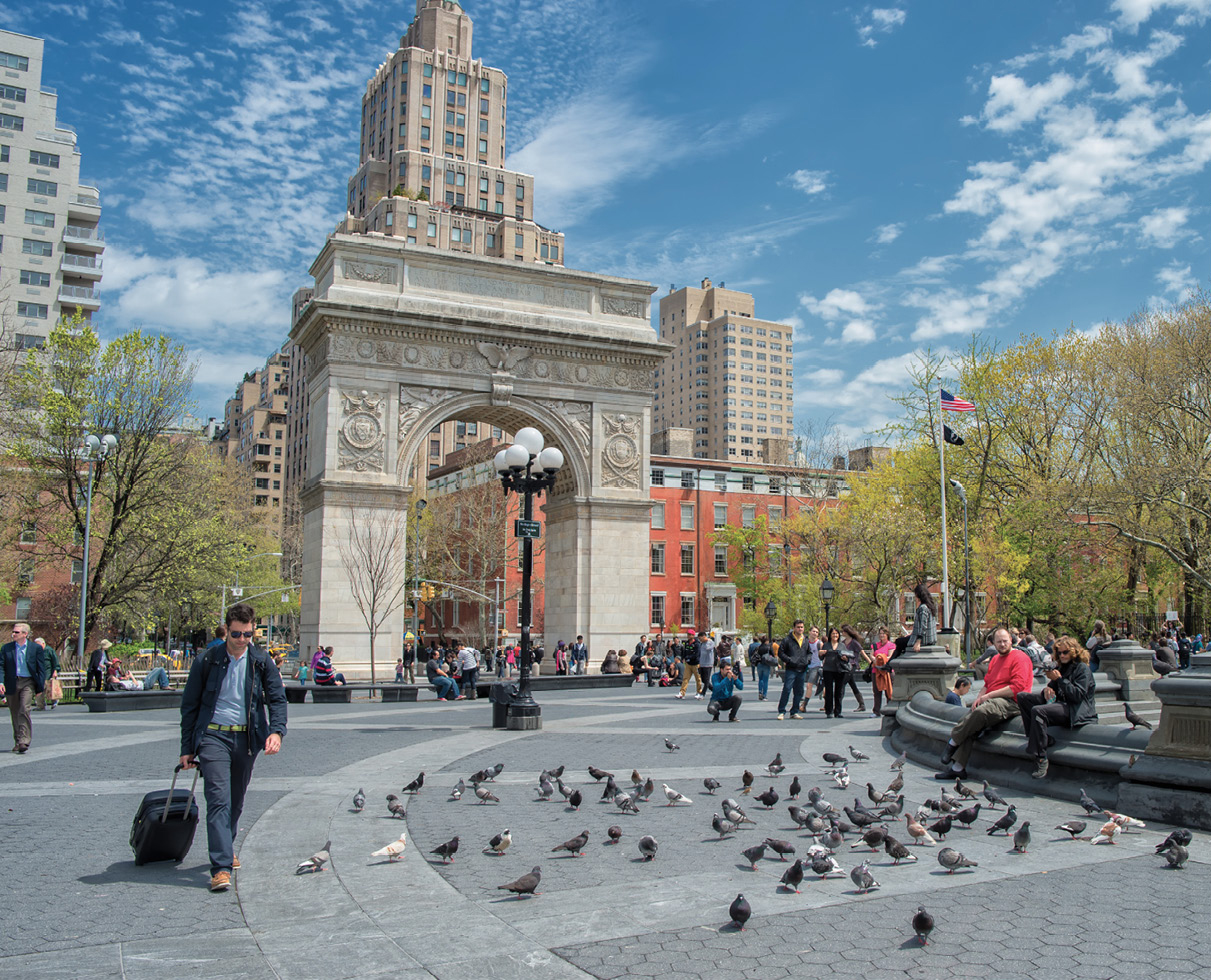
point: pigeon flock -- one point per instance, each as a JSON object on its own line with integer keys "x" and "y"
{"x": 826, "y": 832}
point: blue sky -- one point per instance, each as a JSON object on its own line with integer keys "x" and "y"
{"x": 885, "y": 177}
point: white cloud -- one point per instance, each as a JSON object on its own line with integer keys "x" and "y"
{"x": 1133, "y": 13}
{"x": 1164, "y": 227}
{"x": 858, "y": 332}
{"x": 1013, "y": 103}
{"x": 829, "y": 389}
{"x": 1129, "y": 69}
{"x": 836, "y": 305}
{"x": 879, "y": 20}
{"x": 1177, "y": 281}
{"x": 886, "y": 234}
{"x": 809, "y": 181}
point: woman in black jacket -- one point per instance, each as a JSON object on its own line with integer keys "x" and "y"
{"x": 1067, "y": 700}
{"x": 835, "y": 656}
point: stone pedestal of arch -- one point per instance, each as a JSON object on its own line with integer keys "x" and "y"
{"x": 398, "y": 339}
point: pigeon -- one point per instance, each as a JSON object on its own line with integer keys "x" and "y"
{"x": 815, "y": 825}
{"x": 1125, "y": 821}
{"x": 671, "y": 745}
{"x": 754, "y": 854}
{"x": 393, "y": 851}
{"x": 747, "y": 780}
{"x": 614, "y": 833}
{"x": 860, "y": 818}
{"x": 894, "y": 808}
{"x": 1135, "y": 720}
{"x": 952, "y": 860}
{"x": 722, "y": 827}
{"x": 564, "y": 789}
{"x": 858, "y": 756}
{"x": 792, "y": 877}
{"x": 833, "y": 759}
{"x": 575, "y": 845}
{"x": 896, "y": 784}
{"x": 922, "y": 925}
{"x": 833, "y": 839}
{"x": 485, "y": 795}
{"x": 768, "y": 798}
{"x": 525, "y": 885}
{"x": 359, "y": 801}
{"x": 897, "y": 851}
{"x": 415, "y": 785}
{"x": 941, "y": 826}
{"x": 841, "y": 778}
{"x": 649, "y": 787}
{"x": 825, "y": 865}
{"x": 965, "y": 792}
{"x": 1005, "y": 822}
{"x": 599, "y": 774}
{"x": 969, "y": 816}
{"x": 395, "y": 807}
{"x": 316, "y": 862}
{"x": 483, "y": 775}
{"x": 1073, "y": 828}
{"x": 874, "y": 794}
{"x": 636, "y": 778}
{"x": 496, "y": 770}
{"x": 1089, "y": 804}
{"x": 500, "y": 843}
{"x": 814, "y": 794}
{"x": 447, "y": 850}
{"x": 795, "y": 788}
{"x": 611, "y": 789}
{"x": 673, "y": 796}
{"x": 625, "y": 803}
{"x": 737, "y": 816}
{"x": 992, "y": 796}
{"x": 648, "y": 846}
{"x": 898, "y": 761}
{"x": 739, "y": 911}
{"x": 776, "y": 765}
{"x": 862, "y": 877}
{"x": 711, "y": 784}
{"x": 1180, "y": 836}
{"x": 545, "y": 789}
{"x": 1107, "y": 833}
{"x": 1177, "y": 855}
{"x": 872, "y": 837}
{"x": 780, "y": 847}
{"x": 554, "y": 773}
{"x": 575, "y": 799}
{"x": 918, "y": 832}
{"x": 457, "y": 792}
{"x": 799, "y": 815}
{"x": 1021, "y": 837}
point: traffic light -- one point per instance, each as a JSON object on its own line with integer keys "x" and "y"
{"x": 426, "y": 592}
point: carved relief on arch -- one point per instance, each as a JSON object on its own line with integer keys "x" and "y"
{"x": 620, "y": 453}
{"x": 361, "y": 439}
{"x": 414, "y": 402}
{"x": 577, "y": 415}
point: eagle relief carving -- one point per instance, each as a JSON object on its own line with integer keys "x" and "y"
{"x": 360, "y": 439}
{"x": 502, "y": 357}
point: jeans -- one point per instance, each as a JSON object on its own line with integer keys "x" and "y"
{"x": 853, "y": 686}
{"x": 705, "y": 673}
{"x": 762, "y": 671}
{"x": 446, "y": 688}
{"x": 1037, "y": 715}
{"x": 156, "y": 677}
{"x": 834, "y": 690}
{"x": 792, "y": 682}
{"x": 226, "y": 766}
{"x": 470, "y": 677}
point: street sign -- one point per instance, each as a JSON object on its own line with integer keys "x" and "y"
{"x": 237, "y": 593}
{"x": 285, "y": 597}
{"x": 526, "y": 529}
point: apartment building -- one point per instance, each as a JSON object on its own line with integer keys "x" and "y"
{"x": 51, "y": 243}
{"x": 729, "y": 378}
{"x": 254, "y": 432}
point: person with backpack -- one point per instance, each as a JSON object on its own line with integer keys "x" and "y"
{"x": 763, "y": 660}
{"x": 689, "y": 660}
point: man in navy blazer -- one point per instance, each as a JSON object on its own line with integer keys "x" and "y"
{"x": 24, "y": 675}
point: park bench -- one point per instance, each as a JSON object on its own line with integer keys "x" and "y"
{"x": 103, "y": 701}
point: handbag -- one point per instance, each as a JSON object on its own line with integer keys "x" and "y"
{"x": 866, "y": 675}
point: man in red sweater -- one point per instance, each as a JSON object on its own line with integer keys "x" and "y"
{"x": 1010, "y": 673}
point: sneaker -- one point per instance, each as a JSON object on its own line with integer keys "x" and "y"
{"x": 733, "y": 719}
{"x": 221, "y": 881}
{"x": 780, "y": 717}
{"x": 795, "y": 714}
{"x": 678, "y": 696}
{"x": 1040, "y": 770}
{"x": 697, "y": 697}
{"x": 235, "y": 864}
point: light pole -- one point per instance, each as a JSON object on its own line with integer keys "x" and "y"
{"x": 236, "y": 593}
{"x": 515, "y": 466}
{"x": 420, "y": 510}
{"x": 966, "y": 576}
{"x": 94, "y": 451}
{"x": 826, "y": 596}
{"x": 771, "y": 613}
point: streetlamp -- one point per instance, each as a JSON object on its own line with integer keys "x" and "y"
{"x": 237, "y": 592}
{"x": 771, "y": 613}
{"x": 966, "y": 575}
{"x": 94, "y": 451}
{"x": 420, "y": 510}
{"x": 826, "y": 596}
{"x": 515, "y": 466}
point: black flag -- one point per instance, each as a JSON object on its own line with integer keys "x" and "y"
{"x": 951, "y": 436}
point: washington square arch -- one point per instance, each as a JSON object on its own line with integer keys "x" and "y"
{"x": 398, "y": 339}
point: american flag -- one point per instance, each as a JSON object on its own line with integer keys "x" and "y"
{"x": 952, "y": 404}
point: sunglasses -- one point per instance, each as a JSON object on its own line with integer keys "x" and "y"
{"x": 237, "y": 635}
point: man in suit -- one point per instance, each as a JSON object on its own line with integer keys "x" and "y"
{"x": 24, "y": 674}
{"x": 223, "y": 727}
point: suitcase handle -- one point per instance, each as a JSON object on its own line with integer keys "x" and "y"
{"x": 172, "y": 788}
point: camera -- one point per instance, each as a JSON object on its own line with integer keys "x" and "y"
{"x": 1049, "y": 663}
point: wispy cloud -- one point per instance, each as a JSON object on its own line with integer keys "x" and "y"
{"x": 886, "y": 234}
{"x": 875, "y": 22}
{"x": 846, "y": 308}
{"x": 1165, "y": 227}
{"x": 809, "y": 181}
{"x": 1133, "y": 13}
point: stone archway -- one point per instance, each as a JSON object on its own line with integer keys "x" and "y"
{"x": 399, "y": 338}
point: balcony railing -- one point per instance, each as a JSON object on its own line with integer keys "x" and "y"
{"x": 79, "y": 292}
{"x": 57, "y": 137}
{"x": 84, "y": 234}
{"x": 88, "y": 200}
{"x": 83, "y": 261}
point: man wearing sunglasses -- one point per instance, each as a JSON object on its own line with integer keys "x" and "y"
{"x": 24, "y": 673}
{"x": 223, "y": 727}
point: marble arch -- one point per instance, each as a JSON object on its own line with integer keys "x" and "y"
{"x": 398, "y": 338}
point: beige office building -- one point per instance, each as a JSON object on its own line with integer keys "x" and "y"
{"x": 50, "y": 239}
{"x": 729, "y": 378}
{"x": 254, "y": 433}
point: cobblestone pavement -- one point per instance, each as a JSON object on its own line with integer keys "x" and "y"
{"x": 1063, "y": 909}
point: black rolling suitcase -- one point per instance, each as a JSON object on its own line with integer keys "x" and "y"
{"x": 163, "y": 828}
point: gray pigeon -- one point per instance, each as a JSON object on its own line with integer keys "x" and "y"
{"x": 1073, "y": 828}
{"x": 525, "y": 885}
{"x": 447, "y": 850}
{"x": 649, "y": 787}
{"x": 922, "y": 925}
{"x": 872, "y": 837}
{"x": 897, "y": 851}
{"x": 615, "y": 834}
{"x": 1134, "y": 720}
{"x": 625, "y": 803}
{"x": 768, "y": 798}
{"x": 965, "y": 792}
{"x": 754, "y": 854}
{"x": 1090, "y": 805}
{"x": 824, "y": 865}
{"x": 457, "y": 792}
{"x": 862, "y": 878}
{"x": 316, "y": 862}
{"x": 1176, "y": 855}
{"x": 574, "y": 846}
{"x": 671, "y": 745}
{"x": 800, "y": 815}
{"x": 792, "y": 877}
{"x": 564, "y": 789}
{"x": 952, "y": 860}
{"x": 1021, "y": 838}
{"x": 395, "y": 807}
{"x": 611, "y": 788}
{"x": 485, "y": 794}
{"x": 415, "y": 785}
{"x": 780, "y": 847}
{"x": 737, "y": 816}
{"x": 648, "y": 846}
{"x": 740, "y": 912}
{"x": 1009, "y": 818}
{"x": 598, "y": 774}
{"x": 833, "y": 839}
{"x": 720, "y": 826}
{"x": 496, "y": 770}
{"x": 545, "y": 789}
{"x": 858, "y": 755}
{"x": 992, "y": 796}
{"x": 894, "y": 808}
{"x": 711, "y": 784}
{"x": 359, "y": 801}
{"x": 575, "y": 799}
{"x": 833, "y": 759}
{"x": 898, "y": 761}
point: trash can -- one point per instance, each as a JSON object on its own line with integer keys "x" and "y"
{"x": 501, "y": 694}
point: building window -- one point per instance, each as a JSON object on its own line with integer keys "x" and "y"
{"x": 431, "y": 229}
{"x": 721, "y": 482}
{"x": 43, "y": 188}
{"x": 720, "y": 559}
{"x": 775, "y": 484}
{"x": 687, "y": 559}
{"x": 519, "y": 241}
{"x": 30, "y": 246}
{"x": 687, "y": 517}
{"x": 25, "y": 573}
{"x": 658, "y": 558}
{"x": 657, "y": 478}
{"x": 77, "y": 571}
{"x": 658, "y": 515}
{"x": 15, "y": 123}
{"x": 687, "y": 610}
{"x": 747, "y": 483}
{"x": 42, "y": 219}
{"x": 720, "y": 515}
{"x": 17, "y": 61}
{"x": 687, "y": 479}
{"x": 748, "y": 515}
{"x": 29, "y": 532}
{"x": 30, "y": 278}
{"x": 657, "y": 610}
{"x": 23, "y": 607}
{"x": 775, "y": 516}
{"x": 36, "y": 311}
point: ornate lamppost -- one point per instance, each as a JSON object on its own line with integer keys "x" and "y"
{"x": 94, "y": 451}
{"x": 826, "y": 596}
{"x": 516, "y": 467}
{"x": 771, "y": 613}
{"x": 966, "y": 577}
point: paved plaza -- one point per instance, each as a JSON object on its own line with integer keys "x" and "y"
{"x": 78, "y": 907}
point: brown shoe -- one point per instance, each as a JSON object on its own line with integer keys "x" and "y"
{"x": 235, "y": 864}
{"x": 221, "y": 881}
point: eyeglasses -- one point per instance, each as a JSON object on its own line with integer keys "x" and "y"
{"x": 237, "y": 635}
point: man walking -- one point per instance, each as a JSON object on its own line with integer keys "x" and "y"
{"x": 706, "y": 662}
{"x": 579, "y": 655}
{"x": 689, "y": 661}
{"x": 223, "y": 727}
{"x": 794, "y": 654}
{"x": 24, "y": 675}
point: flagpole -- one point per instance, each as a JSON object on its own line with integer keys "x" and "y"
{"x": 945, "y": 548}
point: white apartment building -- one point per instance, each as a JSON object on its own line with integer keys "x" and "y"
{"x": 50, "y": 240}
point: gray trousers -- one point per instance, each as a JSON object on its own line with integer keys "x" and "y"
{"x": 20, "y": 700}
{"x": 226, "y": 768}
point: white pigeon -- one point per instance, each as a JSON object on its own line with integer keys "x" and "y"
{"x": 393, "y": 851}
{"x": 841, "y": 778}
{"x": 316, "y": 862}
{"x": 673, "y": 796}
{"x": 1125, "y": 821}
{"x": 457, "y": 792}
{"x": 500, "y": 842}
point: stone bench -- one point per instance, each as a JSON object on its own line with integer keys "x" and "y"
{"x": 343, "y": 693}
{"x": 560, "y": 682}
{"x": 103, "y": 701}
